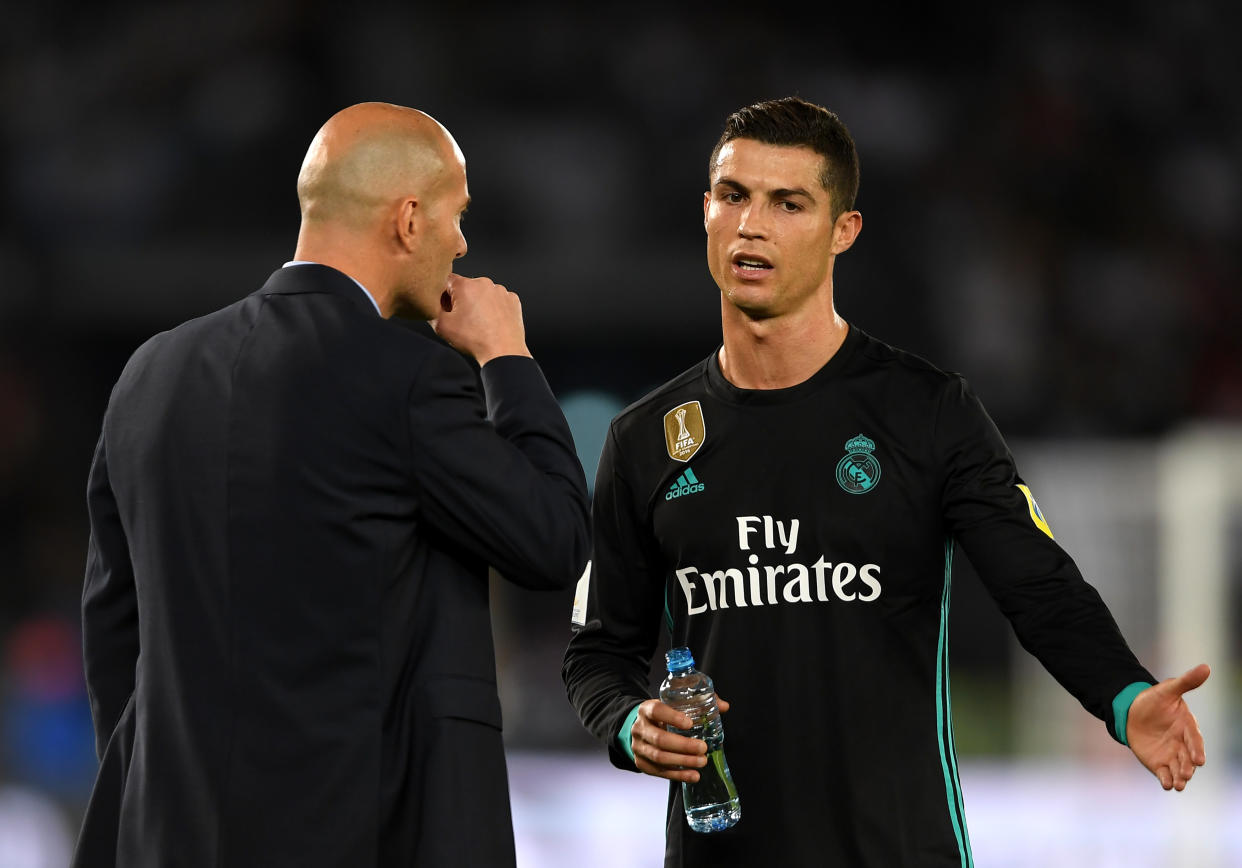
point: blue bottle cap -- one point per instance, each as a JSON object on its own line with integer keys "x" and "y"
{"x": 679, "y": 659}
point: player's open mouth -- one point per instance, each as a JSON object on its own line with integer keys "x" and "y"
{"x": 751, "y": 264}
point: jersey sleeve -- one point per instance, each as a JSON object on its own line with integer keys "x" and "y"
{"x": 606, "y": 663}
{"x": 1057, "y": 616}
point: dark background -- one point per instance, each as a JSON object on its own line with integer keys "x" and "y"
{"x": 1051, "y": 194}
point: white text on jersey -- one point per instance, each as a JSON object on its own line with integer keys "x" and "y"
{"x": 757, "y": 585}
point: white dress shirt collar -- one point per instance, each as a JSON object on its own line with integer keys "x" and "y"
{"x": 366, "y": 291}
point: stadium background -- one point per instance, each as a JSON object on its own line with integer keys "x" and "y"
{"x": 1052, "y": 200}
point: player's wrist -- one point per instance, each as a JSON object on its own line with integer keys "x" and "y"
{"x": 1121, "y": 708}
{"x": 624, "y": 736}
{"x": 499, "y": 352}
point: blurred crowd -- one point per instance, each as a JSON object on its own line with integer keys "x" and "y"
{"x": 1051, "y": 196}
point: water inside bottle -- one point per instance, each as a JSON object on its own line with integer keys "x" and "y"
{"x": 712, "y": 805}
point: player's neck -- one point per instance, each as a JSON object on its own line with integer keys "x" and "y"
{"x": 349, "y": 254}
{"x": 778, "y": 352}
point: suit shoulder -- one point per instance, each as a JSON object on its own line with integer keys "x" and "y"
{"x": 188, "y": 331}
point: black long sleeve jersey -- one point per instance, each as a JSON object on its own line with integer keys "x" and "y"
{"x": 800, "y": 541}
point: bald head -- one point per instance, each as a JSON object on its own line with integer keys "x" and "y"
{"x": 382, "y": 189}
{"x": 369, "y": 156}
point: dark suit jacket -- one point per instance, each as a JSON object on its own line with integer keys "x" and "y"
{"x": 288, "y": 649}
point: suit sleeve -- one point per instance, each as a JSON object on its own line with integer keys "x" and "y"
{"x": 500, "y": 477}
{"x": 109, "y": 606}
{"x": 1057, "y": 616}
{"x": 607, "y": 661}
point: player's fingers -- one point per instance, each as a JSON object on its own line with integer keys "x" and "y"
{"x": 722, "y": 704}
{"x": 1193, "y": 738}
{"x": 668, "y": 759}
{"x": 454, "y": 284}
{"x": 647, "y": 733}
{"x": 1165, "y": 777}
{"x": 670, "y": 742}
{"x": 688, "y": 776}
{"x": 657, "y": 733}
{"x": 1181, "y": 777}
{"x": 1185, "y": 768}
{"x": 513, "y": 300}
{"x": 682, "y": 744}
{"x": 665, "y": 759}
{"x": 656, "y": 712}
{"x": 474, "y": 288}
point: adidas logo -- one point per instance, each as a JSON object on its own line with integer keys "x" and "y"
{"x": 685, "y": 484}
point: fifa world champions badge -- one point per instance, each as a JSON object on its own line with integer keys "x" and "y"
{"x": 684, "y": 430}
{"x": 859, "y": 471}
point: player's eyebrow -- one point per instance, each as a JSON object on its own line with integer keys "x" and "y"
{"x": 785, "y": 193}
{"x": 779, "y": 193}
{"x": 731, "y": 184}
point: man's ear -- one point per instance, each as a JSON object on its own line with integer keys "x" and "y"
{"x": 845, "y": 231}
{"x": 407, "y": 223}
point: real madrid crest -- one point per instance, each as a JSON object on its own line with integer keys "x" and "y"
{"x": 684, "y": 430}
{"x": 858, "y": 472}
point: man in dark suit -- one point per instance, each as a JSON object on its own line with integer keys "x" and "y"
{"x": 293, "y": 507}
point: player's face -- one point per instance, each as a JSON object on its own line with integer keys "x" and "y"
{"x": 771, "y": 237}
{"x": 439, "y": 223}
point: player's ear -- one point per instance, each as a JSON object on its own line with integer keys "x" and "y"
{"x": 707, "y": 200}
{"x": 845, "y": 230}
{"x": 406, "y": 223}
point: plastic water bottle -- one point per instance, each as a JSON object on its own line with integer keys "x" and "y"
{"x": 711, "y": 804}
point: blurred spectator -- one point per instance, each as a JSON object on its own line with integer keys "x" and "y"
{"x": 48, "y": 738}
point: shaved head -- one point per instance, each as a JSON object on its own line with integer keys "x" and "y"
{"x": 383, "y": 189}
{"x": 369, "y": 156}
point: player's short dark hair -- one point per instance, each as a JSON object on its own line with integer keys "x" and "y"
{"x": 792, "y": 121}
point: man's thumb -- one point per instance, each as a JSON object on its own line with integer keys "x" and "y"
{"x": 1191, "y": 678}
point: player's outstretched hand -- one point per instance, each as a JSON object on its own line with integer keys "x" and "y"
{"x": 1162, "y": 732}
{"x": 666, "y": 754}
{"x": 481, "y": 318}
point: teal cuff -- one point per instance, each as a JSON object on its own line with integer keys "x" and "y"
{"x": 624, "y": 735}
{"x": 1121, "y": 708}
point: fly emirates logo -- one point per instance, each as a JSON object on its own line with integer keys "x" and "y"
{"x": 768, "y": 584}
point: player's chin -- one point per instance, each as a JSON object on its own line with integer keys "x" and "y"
{"x": 410, "y": 305}
{"x": 755, "y": 305}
